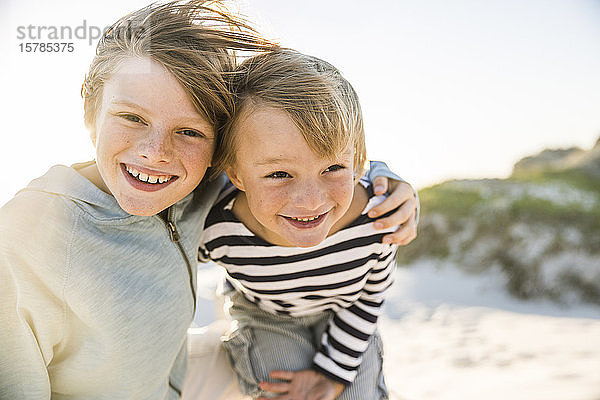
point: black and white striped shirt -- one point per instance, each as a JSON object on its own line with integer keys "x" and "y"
{"x": 347, "y": 273}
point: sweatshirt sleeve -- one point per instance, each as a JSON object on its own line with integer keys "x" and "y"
{"x": 349, "y": 331}
{"x": 32, "y": 269}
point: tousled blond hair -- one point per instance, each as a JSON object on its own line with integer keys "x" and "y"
{"x": 193, "y": 40}
{"x": 318, "y": 99}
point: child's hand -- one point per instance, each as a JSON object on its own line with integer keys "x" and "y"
{"x": 401, "y": 195}
{"x": 302, "y": 385}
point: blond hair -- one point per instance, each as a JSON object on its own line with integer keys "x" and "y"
{"x": 314, "y": 94}
{"x": 191, "y": 39}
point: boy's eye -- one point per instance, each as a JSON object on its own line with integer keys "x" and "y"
{"x": 334, "y": 167}
{"x": 132, "y": 118}
{"x": 279, "y": 175}
{"x": 191, "y": 133}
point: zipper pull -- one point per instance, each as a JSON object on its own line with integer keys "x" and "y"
{"x": 173, "y": 231}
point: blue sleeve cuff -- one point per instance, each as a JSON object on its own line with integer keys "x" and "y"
{"x": 379, "y": 168}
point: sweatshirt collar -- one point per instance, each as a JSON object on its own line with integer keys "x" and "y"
{"x": 66, "y": 181}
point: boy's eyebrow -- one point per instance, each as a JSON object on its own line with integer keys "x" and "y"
{"x": 272, "y": 160}
{"x": 128, "y": 103}
{"x": 123, "y": 102}
{"x": 278, "y": 160}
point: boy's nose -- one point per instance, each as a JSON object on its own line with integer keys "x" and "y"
{"x": 310, "y": 196}
{"x": 157, "y": 146}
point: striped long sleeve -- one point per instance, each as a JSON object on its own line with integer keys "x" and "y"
{"x": 349, "y": 331}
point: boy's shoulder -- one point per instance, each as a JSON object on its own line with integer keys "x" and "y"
{"x": 44, "y": 213}
{"x": 33, "y": 206}
{"x": 36, "y": 229}
{"x": 221, "y": 210}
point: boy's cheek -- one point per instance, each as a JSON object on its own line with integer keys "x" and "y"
{"x": 258, "y": 196}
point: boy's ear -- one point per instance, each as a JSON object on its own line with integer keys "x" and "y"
{"x": 91, "y": 129}
{"x": 93, "y": 137}
{"x": 235, "y": 179}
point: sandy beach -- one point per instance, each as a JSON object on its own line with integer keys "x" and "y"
{"x": 451, "y": 336}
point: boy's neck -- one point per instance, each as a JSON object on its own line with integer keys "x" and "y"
{"x": 90, "y": 171}
{"x": 358, "y": 204}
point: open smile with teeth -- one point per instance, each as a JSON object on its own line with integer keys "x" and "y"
{"x": 143, "y": 177}
{"x": 309, "y": 221}
{"x": 306, "y": 219}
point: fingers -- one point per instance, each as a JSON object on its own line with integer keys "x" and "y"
{"x": 403, "y": 236}
{"x": 404, "y": 215}
{"x": 405, "y": 219}
{"x": 403, "y": 199}
{"x": 279, "y": 387}
{"x": 282, "y": 397}
{"x": 285, "y": 375}
{"x": 402, "y": 194}
{"x": 271, "y": 398}
{"x": 380, "y": 185}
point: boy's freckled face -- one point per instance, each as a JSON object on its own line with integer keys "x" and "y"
{"x": 152, "y": 146}
{"x": 293, "y": 195}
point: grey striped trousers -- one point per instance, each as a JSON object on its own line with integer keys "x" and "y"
{"x": 261, "y": 342}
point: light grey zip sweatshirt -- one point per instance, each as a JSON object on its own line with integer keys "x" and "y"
{"x": 94, "y": 302}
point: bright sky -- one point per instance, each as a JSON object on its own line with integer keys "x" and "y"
{"x": 449, "y": 88}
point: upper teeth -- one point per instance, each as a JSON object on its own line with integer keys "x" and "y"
{"x": 148, "y": 178}
{"x": 305, "y": 219}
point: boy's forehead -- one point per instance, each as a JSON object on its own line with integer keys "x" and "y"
{"x": 138, "y": 66}
{"x": 137, "y": 77}
{"x": 291, "y": 154}
{"x": 143, "y": 84}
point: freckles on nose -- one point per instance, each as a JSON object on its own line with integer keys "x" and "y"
{"x": 315, "y": 190}
{"x": 309, "y": 196}
{"x": 160, "y": 137}
{"x": 158, "y": 145}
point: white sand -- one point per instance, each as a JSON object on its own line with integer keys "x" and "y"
{"x": 477, "y": 353}
{"x": 450, "y": 336}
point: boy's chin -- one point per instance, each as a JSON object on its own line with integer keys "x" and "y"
{"x": 139, "y": 208}
{"x": 306, "y": 241}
